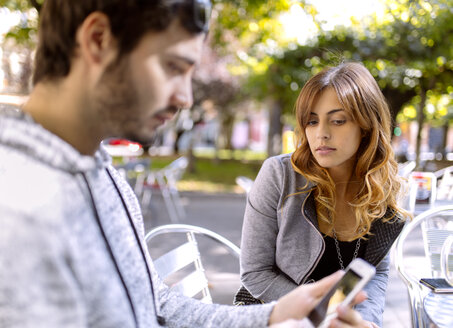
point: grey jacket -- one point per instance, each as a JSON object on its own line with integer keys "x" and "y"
{"x": 281, "y": 243}
{"x": 72, "y": 250}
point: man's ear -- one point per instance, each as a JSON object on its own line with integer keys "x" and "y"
{"x": 95, "y": 40}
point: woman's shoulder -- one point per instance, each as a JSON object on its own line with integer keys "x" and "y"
{"x": 282, "y": 162}
{"x": 280, "y": 167}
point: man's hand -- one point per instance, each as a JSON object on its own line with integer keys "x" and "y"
{"x": 298, "y": 303}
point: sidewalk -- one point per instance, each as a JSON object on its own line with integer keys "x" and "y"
{"x": 223, "y": 214}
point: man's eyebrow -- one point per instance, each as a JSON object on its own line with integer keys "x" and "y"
{"x": 333, "y": 111}
{"x": 187, "y": 60}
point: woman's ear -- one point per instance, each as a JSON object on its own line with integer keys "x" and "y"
{"x": 95, "y": 41}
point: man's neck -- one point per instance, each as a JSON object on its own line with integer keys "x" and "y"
{"x": 59, "y": 108}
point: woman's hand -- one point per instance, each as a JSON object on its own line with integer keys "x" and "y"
{"x": 347, "y": 317}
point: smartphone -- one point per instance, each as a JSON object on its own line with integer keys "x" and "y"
{"x": 356, "y": 276}
{"x": 438, "y": 285}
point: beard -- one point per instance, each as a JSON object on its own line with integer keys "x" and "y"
{"x": 116, "y": 103}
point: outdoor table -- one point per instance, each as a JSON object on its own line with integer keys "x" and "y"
{"x": 439, "y": 309}
{"x": 124, "y": 150}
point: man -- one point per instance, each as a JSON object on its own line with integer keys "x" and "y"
{"x": 72, "y": 252}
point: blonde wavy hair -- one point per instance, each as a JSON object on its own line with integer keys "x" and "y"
{"x": 376, "y": 168}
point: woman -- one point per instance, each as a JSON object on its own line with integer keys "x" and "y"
{"x": 334, "y": 199}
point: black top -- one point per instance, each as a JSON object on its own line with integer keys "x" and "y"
{"x": 329, "y": 262}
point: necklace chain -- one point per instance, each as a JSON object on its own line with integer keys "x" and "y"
{"x": 337, "y": 246}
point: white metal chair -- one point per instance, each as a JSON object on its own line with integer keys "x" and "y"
{"x": 404, "y": 169}
{"x": 166, "y": 179}
{"x": 446, "y": 259}
{"x": 135, "y": 171}
{"x": 422, "y": 191}
{"x": 435, "y": 224}
{"x": 445, "y": 184}
{"x": 245, "y": 183}
{"x": 184, "y": 261}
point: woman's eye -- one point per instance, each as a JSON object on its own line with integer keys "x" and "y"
{"x": 311, "y": 123}
{"x": 339, "y": 122}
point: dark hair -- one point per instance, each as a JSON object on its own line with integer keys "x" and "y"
{"x": 129, "y": 21}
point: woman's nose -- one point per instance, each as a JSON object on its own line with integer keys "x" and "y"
{"x": 323, "y": 132}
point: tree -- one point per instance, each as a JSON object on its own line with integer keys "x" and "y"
{"x": 408, "y": 50}
{"x": 408, "y": 57}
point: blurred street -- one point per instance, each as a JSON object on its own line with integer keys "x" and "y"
{"x": 223, "y": 213}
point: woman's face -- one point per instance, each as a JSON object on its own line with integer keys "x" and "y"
{"x": 333, "y": 136}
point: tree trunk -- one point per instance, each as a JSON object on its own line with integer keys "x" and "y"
{"x": 36, "y": 4}
{"x": 226, "y": 130}
{"x": 26, "y": 73}
{"x": 444, "y": 137}
{"x": 179, "y": 133}
{"x": 396, "y": 100}
{"x": 274, "y": 140}
{"x": 191, "y": 168}
{"x": 420, "y": 121}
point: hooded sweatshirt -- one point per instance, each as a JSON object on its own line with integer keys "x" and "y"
{"x": 72, "y": 250}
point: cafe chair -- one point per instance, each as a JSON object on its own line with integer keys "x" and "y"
{"x": 404, "y": 169}
{"x": 445, "y": 184}
{"x": 435, "y": 225}
{"x": 135, "y": 171}
{"x": 165, "y": 180}
{"x": 422, "y": 192}
{"x": 446, "y": 259}
{"x": 245, "y": 183}
{"x": 182, "y": 265}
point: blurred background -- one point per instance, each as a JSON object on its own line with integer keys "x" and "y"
{"x": 257, "y": 58}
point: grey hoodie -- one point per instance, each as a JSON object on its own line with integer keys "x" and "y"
{"x": 72, "y": 250}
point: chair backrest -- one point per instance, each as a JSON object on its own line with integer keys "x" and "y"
{"x": 245, "y": 183}
{"x": 135, "y": 171}
{"x": 166, "y": 179}
{"x": 435, "y": 229}
{"x": 404, "y": 169}
{"x": 445, "y": 185}
{"x": 192, "y": 282}
{"x": 440, "y": 173}
{"x": 446, "y": 259}
{"x": 422, "y": 190}
{"x": 435, "y": 224}
{"x": 175, "y": 170}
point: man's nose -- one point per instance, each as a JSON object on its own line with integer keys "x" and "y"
{"x": 183, "y": 97}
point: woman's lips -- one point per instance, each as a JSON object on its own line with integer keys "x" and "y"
{"x": 324, "y": 150}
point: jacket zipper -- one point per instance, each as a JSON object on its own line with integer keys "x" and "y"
{"x": 160, "y": 320}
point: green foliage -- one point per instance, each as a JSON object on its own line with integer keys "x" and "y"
{"x": 409, "y": 49}
{"x": 406, "y": 50}
{"x": 20, "y": 5}
{"x": 25, "y": 32}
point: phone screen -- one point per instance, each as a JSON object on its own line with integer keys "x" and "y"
{"x": 337, "y": 295}
{"x": 346, "y": 285}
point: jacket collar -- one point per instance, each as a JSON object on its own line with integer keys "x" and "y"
{"x": 383, "y": 232}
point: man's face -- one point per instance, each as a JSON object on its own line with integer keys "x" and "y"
{"x": 147, "y": 87}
